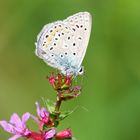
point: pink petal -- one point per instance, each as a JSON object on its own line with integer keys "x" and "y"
{"x": 27, "y": 132}
{"x": 16, "y": 120}
{"x": 14, "y": 137}
{"x": 7, "y": 127}
{"x": 25, "y": 117}
{"x": 50, "y": 134}
{"x": 77, "y": 88}
{"x": 44, "y": 113}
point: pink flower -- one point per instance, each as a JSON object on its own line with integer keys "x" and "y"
{"x": 76, "y": 91}
{"x": 64, "y": 134}
{"x": 43, "y": 115}
{"x": 50, "y": 134}
{"x": 60, "y": 81}
{"x": 17, "y": 126}
{"x": 52, "y": 79}
{"x": 43, "y": 135}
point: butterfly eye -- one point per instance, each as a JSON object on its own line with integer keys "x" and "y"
{"x": 81, "y": 71}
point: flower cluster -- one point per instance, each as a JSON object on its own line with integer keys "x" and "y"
{"x": 17, "y": 126}
{"x": 48, "y": 117}
{"x": 63, "y": 85}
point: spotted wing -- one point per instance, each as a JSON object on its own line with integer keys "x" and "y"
{"x": 63, "y": 44}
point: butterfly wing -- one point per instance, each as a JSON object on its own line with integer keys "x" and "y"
{"x": 63, "y": 44}
{"x": 81, "y": 24}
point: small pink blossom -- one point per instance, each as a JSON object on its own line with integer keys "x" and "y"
{"x": 43, "y": 135}
{"x": 76, "y": 91}
{"x": 17, "y": 126}
{"x": 43, "y": 116}
{"x": 64, "y": 134}
{"x": 50, "y": 134}
{"x": 52, "y": 79}
{"x": 60, "y": 81}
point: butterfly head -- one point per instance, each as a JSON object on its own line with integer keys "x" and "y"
{"x": 81, "y": 71}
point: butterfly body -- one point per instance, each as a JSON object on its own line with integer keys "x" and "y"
{"x": 63, "y": 44}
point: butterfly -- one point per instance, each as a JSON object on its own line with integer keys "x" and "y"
{"x": 63, "y": 44}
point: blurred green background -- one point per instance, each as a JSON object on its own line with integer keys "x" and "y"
{"x": 109, "y": 106}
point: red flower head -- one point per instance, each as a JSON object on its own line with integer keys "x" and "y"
{"x": 64, "y": 134}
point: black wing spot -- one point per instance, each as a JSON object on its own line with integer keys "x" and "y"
{"x": 51, "y": 48}
{"x": 43, "y": 52}
{"x": 68, "y": 37}
{"x": 81, "y": 26}
{"x": 66, "y": 53}
{"x": 62, "y": 33}
{"x": 73, "y": 44}
{"x": 51, "y": 30}
{"x": 47, "y": 36}
{"x": 79, "y": 38}
{"x": 85, "y": 29}
{"x": 74, "y": 53}
{"x": 73, "y": 29}
{"x": 58, "y": 34}
{"x": 52, "y": 55}
{"x": 54, "y": 44}
{"x": 59, "y": 25}
{"x": 56, "y": 38}
{"x": 77, "y": 26}
{"x": 61, "y": 55}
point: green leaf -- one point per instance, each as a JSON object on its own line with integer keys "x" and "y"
{"x": 45, "y": 127}
{"x": 50, "y": 105}
{"x": 65, "y": 114}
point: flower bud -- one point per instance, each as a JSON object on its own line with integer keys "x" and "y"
{"x": 64, "y": 134}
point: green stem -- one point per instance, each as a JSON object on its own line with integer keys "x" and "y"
{"x": 58, "y": 104}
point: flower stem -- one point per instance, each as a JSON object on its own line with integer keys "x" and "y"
{"x": 58, "y": 104}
